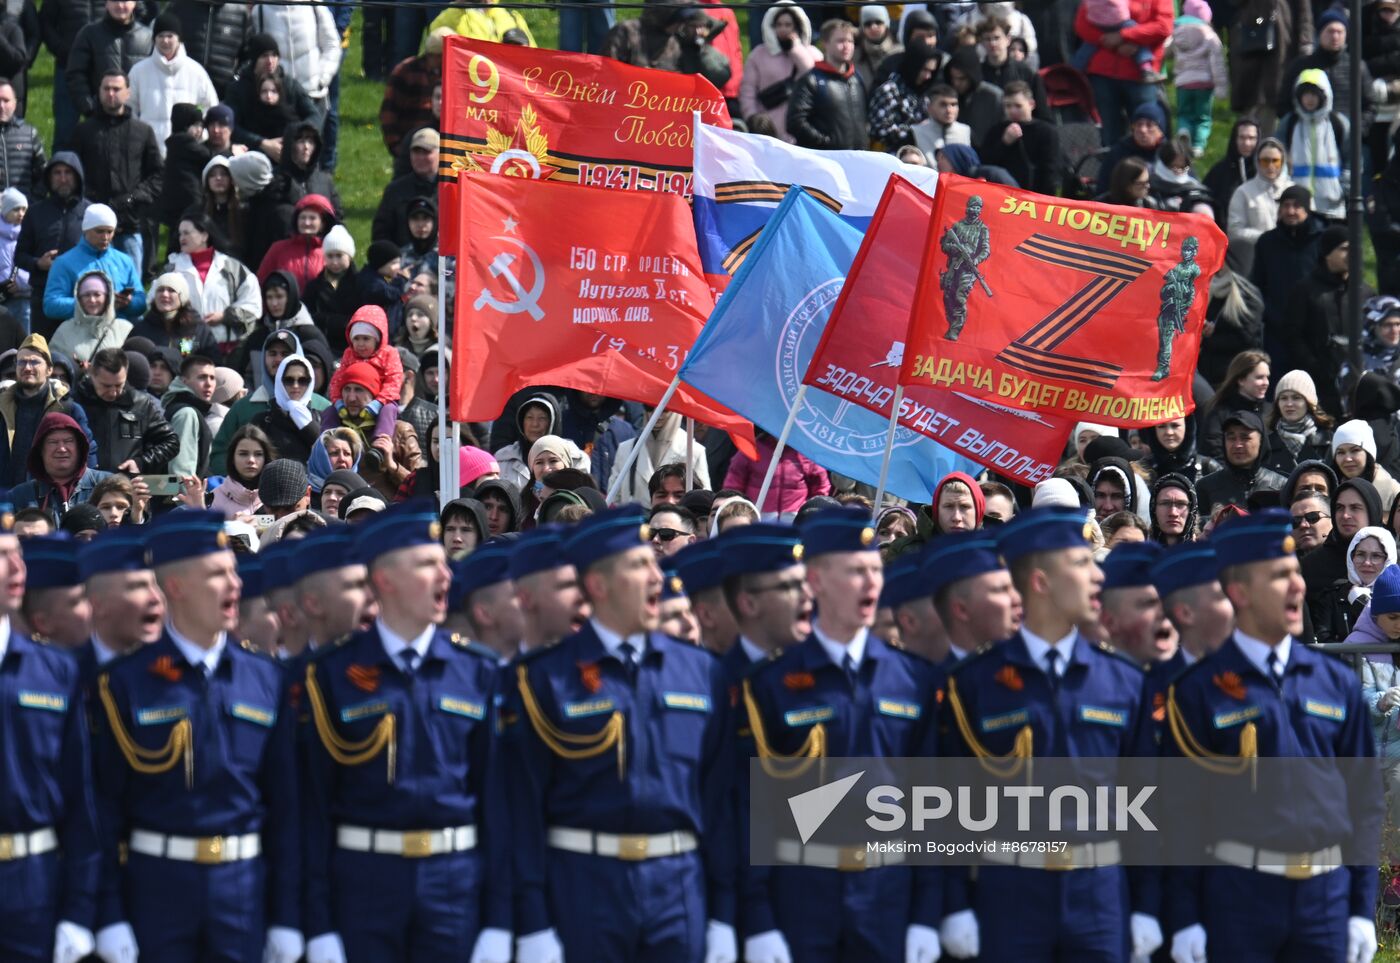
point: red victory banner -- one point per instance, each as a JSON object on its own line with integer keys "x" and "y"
{"x": 862, "y": 349}
{"x": 550, "y": 115}
{"x": 607, "y": 299}
{"x": 1087, "y": 311}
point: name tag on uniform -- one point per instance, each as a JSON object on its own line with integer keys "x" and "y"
{"x": 1227, "y": 720}
{"x": 588, "y": 707}
{"x": 363, "y": 710}
{"x": 693, "y": 701}
{"x": 1102, "y": 716}
{"x": 900, "y": 710}
{"x": 254, "y": 714}
{"x": 809, "y": 717}
{"x": 159, "y": 715}
{"x": 52, "y": 701}
{"x": 1325, "y": 710}
{"x": 1005, "y": 721}
{"x": 462, "y": 707}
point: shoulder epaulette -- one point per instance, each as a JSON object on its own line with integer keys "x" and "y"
{"x": 975, "y": 655}
{"x": 1107, "y": 649}
{"x": 321, "y": 652}
{"x": 247, "y": 646}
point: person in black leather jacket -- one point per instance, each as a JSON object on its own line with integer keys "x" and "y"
{"x": 1246, "y": 452}
{"x": 827, "y": 107}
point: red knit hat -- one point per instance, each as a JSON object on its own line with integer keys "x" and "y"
{"x": 362, "y": 373}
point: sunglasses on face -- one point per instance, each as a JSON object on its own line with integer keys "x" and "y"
{"x": 292, "y": 382}
{"x": 1271, "y": 162}
{"x": 1309, "y": 518}
{"x": 666, "y": 534}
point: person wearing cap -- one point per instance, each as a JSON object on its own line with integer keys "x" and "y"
{"x": 840, "y": 692}
{"x": 195, "y": 764}
{"x": 1132, "y": 617}
{"x": 48, "y": 824}
{"x": 24, "y": 404}
{"x": 331, "y": 586}
{"x": 127, "y": 607}
{"x": 547, "y": 589}
{"x": 677, "y": 617}
{"x": 169, "y": 76}
{"x": 1265, "y": 694}
{"x": 765, "y": 591}
{"x": 400, "y": 766}
{"x": 1282, "y": 257}
{"x": 258, "y": 624}
{"x": 482, "y": 604}
{"x": 55, "y": 608}
{"x": 620, "y": 853}
{"x": 95, "y": 252}
{"x": 1029, "y": 697}
{"x": 909, "y": 601}
{"x": 972, "y": 592}
{"x": 280, "y": 589}
{"x": 1354, "y": 456}
{"x": 701, "y": 568}
{"x": 1246, "y": 452}
{"x": 391, "y": 218}
{"x": 1192, "y": 598}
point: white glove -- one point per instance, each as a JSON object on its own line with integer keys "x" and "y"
{"x": 541, "y": 947}
{"x": 492, "y": 946}
{"x": 299, "y": 412}
{"x": 921, "y": 944}
{"x": 1147, "y": 934}
{"x": 325, "y": 948}
{"x": 71, "y": 942}
{"x": 769, "y": 947}
{"x": 721, "y": 946}
{"x": 117, "y": 943}
{"x": 1361, "y": 939}
{"x": 1189, "y": 945}
{"x": 960, "y": 935}
{"x": 284, "y": 945}
{"x": 1390, "y": 698}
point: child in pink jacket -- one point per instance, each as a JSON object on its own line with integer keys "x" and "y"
{"x": 367, "y": 333}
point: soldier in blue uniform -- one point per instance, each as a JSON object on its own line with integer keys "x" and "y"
{"x": 48, "y": 852}
{"x": 765, "y": 587}
{"x": 621, "y": 813}
{"x": 55, "y": 608}
{"x": 332, "y": 586}
{"x": 482, "y": 604}
{"x": 257, "y": 622}
{"x": 1047, "y": 691}
{"x": 196, "y": 774}
{"x": 280, "y": 589}
{"x": 842, "y": 693}
{"x": 128, "y": 609}
{"x": 907, "y": 596}
{"x": 546, "y": 587}
{"x": 972, "y": 591}
{"x": 1186, "y": 582}
{"x": 404, "y": 813}
{"x": 1263, "y": 693}
{"x": 701, "y": 567}
{"x": 1132, "y": 618}
{"x": 677, "y": 617}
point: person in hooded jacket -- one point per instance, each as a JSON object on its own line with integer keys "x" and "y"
{"x": 464, "y": 527}
{"x": 1172, "y": 446}
{"x": 282, "y": 311}
{"x": 1246, "y": 454}
{"x": 1236, "y": 167}
{"x": 538, "y": 416}
{"x": 979, "y": 103}
{"x": 94, "y": 324}
{"x": 1116, "y": 486}
{"x": 1380, "y": 339}
{"x": 1338, "y": 609}
{"x": 299, "y": 174}
{"x": 1316, "y": 476}
{"x": 901, "y": 102}
{"x": 958, "y": 504}
{"x": 502, "y": 501}
{"x": 300, "y": 255}
{"x": 188, "y": 402}
{"x": 419, "y": 254}
{"x": 53, "y": 225}
{"x": 1376, "y": 400}
{"x": 1298, "y": 429}
{"x": 1355, "y": 505}
{"x": 785, "y": 54}
{"x": 1175, "y": 510}
{"x": 1252, "y": 208}
{"x": 1316, "y": 135}
{"x": 131, "y": 432}
{"x": 223, "y": 205}
{"x": 1245, "y": 387}
{"x": 59, "y": 474}
{"x": 670, "y": 35}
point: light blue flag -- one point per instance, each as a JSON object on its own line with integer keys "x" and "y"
{"x": 753, "y": 352}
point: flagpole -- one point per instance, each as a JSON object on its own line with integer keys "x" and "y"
{"x": 889, "y": 445}
{"x": 797, "y": 400}
{"x": 689, "y": 453}
{"x": 640, "y": 440}
{"x": 445, "y": 491}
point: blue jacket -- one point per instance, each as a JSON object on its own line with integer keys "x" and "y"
{"x": 72, "y": 264}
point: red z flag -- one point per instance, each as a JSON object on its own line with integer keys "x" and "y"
{"x": 582, "y": 288}
{"x": 859, "y": 355}
{"x": 1087, "y": 311}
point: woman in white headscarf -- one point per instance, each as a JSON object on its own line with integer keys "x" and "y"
{"x": 289, "y": 422}
{"x": 1336, "y": 614}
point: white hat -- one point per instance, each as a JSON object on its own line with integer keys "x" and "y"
{"x": 1103, "y": 431}
{"x": 12, "y": 199}
{"x": 874, "y": 12}
{"x": 1055, "y": 493}
{"x": 338, "y": 239}
{"x": 99, "y": 215}
{"x": 1355, "y": 432}
{"x": 175, "y": 282}
{"x": 364, "y": 327}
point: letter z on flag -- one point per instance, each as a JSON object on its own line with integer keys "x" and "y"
{"x": 860, "y": 354}
{"x": 754, "y": 352}
{"x": 550, "y": 115}
{"x": 1083, "y": 310}
{"x": 578, "y": 287}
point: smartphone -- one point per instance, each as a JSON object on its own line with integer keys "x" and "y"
{"x": 162, "y": 485}
{"x": 262, "y": 522}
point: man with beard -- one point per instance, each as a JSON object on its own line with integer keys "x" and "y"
{"x": 972, "y": 592}
{"x": 546, "y": 587}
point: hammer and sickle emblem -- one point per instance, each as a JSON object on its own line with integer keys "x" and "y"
{"x": 526, "y": 302}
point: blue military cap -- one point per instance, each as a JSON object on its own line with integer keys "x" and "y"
{"x": 250, "y": 573}
{"x": 1044, "y": 530}
{"x": 277, "y": 565}
{"x": 845, "y": 529}
{"x": 606, "y": 533}
{"x": 1258, "y": 537}
{"x": 323, "y": 549}
{"x": 51, "y": 562}
{"x": 538, "y": 550}
{"x": 958, "y": 555}
{"x": 904, "y": 581}
{"x": 672, "y": 585}
{"x": 1130, "y": 565}
{"x": 761, "y": 547}
{"x": 185, "y": 533}
{"x": 121, "y": 549}
{"x": 701, "y": 564}
{"x": 405, "y": 525}
{"x": 486, "y": 566}
{"x": 1184, "y": 565}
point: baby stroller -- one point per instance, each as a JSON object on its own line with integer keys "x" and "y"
{"x": 1072, "y": 110}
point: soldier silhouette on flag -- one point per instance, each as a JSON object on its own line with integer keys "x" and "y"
{"x": 967, "y": 243}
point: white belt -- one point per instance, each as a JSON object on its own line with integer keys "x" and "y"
{"x": 208, "y": 850}
{"x": 21, "y": 845}
{"x": 628, "y": 847}
{"x": 1083, "y": 856}
{"x": 848, "y": 859}
{"x": 410, "y": 844}
{"x": 1276, "y": 863}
